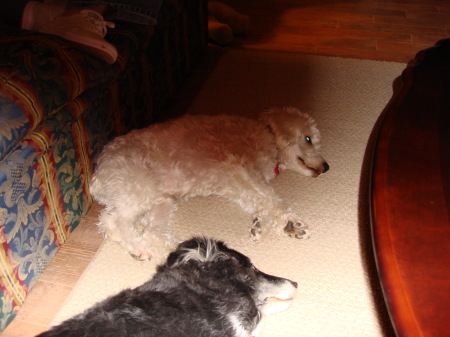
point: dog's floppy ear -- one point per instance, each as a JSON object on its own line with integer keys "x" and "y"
{"x": 280, "y": 122}
{"x": 285, "y": 123}
{"x": 176, "y": 257}
{"x": 198, "y": 249}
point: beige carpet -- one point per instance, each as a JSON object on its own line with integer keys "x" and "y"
{"x": 338, "y": 292}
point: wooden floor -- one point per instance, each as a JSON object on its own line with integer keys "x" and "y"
{"x": 386, "y": 30}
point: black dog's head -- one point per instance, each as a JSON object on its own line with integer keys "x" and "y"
{"x": 225, "y": 268}
{"x": 203, "y": 289}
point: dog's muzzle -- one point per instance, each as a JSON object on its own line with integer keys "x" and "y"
{"x": 325, "y": 168}
{"x": 316, "y": 171}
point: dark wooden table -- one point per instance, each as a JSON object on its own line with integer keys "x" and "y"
{"x": 410, "y": 197}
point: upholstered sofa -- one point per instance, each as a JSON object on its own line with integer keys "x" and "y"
{"x": 58, "y": 108}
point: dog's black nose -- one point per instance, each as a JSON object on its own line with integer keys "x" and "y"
{"x": 326, "y": 167}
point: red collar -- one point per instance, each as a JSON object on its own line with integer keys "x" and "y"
{"x": 276, "y": 170}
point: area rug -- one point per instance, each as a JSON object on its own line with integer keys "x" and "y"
{"x": 338, "y": 291}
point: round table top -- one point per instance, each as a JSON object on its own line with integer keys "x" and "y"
{"x": 410, "y": 197}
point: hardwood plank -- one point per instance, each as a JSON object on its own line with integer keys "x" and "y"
{"x": 402, "y": 48}
{"x": 43, "y": 302}
{"x": 357, "y": 34}
{"x": 374, "y": 55}
{"x": 418, "y": 21}
{"x": 19, "y": 328}
{"x": 428, "y": 39}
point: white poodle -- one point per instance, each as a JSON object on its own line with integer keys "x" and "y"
{"x": 140, "y": 177}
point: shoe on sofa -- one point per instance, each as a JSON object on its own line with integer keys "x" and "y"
{"x": 85, "y": 27}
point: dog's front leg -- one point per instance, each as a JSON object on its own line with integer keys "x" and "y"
{"x": 283, "y": 220}
{"x": 268, "y": 210}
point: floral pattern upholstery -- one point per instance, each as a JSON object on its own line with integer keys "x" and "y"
{"x": 58, "y": 108}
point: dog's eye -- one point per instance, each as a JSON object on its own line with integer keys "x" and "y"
{"x": 308, "y": 139}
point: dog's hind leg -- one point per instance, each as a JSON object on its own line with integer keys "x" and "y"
{"x": 157, "y": 224}
{"x": 143, "y": 235}
{"x": 119, "y": 226}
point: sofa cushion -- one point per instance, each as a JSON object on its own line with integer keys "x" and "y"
{"x": 40, "y": 73}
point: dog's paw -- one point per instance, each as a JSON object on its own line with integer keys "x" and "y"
{"x": 297, "y": 230}
{"x": 141, "y": 256}
{"x": 255, "y": 230}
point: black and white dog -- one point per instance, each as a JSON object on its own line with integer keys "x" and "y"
{"x": 204, "y": 289}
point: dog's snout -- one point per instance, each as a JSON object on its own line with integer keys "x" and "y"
{"x": 326, "y": 167}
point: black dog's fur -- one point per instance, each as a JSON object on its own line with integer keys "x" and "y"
{"x": 203, "y": 289}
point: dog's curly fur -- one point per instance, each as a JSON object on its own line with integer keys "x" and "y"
{"x": 203, "y": 289}
{"x": 140, "y": 177}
